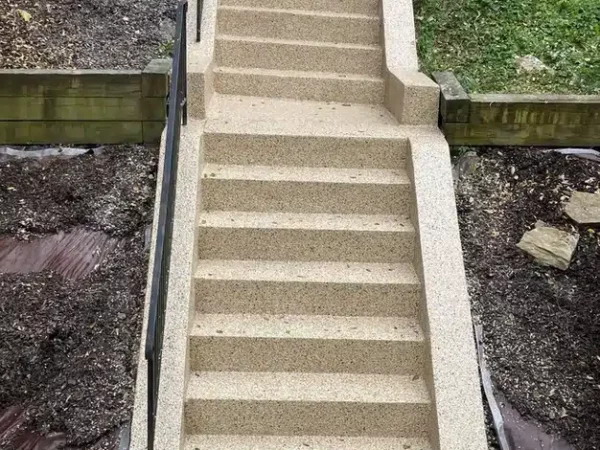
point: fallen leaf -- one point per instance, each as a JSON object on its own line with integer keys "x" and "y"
{"x": 24, "y": 15}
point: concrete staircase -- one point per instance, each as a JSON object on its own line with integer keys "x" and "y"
{"x": 306, "y": 332}
{"x": 328, "y": 300}
{"x": 307, "y": 50}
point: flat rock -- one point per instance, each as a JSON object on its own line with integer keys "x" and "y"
{"x": 584, "y": 207}
{"x": 530, "y": 63}
{"x": 549, "y": 246}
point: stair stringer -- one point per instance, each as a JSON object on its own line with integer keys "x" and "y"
{"x": 445, "y": 315}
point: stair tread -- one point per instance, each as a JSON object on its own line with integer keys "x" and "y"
{"x": 302, "y": 12}
{"x": 230, "y": 37}
{"x": 369, "y": 6}
{"x": 301, "y": 271}
{"x": 306, "y": 174}
{"x": 229, "y": 442}
{"x": 246, "y": 115}
{"x": 400, "y": 329}
{"x": 298, "y": 74}
{"x": 307, "y": 387}
{"x": 305, "y": 221}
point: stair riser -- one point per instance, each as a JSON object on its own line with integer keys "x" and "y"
{"x": 298, "y": 27}
{"x": 369, "y": 7}
{"x": 306, "y": 418}
{"x": 305, "y": 151}
{"x": 305, "y": 245}
{"x": 303, "y": 298}
{"x": 291, "y": 56}
{"x": 305, "y": 355}
{"x": 304, "y": 197}
{"x": 323, "y": 89}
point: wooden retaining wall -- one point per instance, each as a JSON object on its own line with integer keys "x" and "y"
{"x": 83, "y": 106}
{"x": 517, "y": 119}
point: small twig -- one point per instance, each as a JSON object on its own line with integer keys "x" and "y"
{"x": 488, "y": 388}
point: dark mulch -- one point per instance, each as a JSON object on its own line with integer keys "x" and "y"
{"x": 84, "y": 34}
{"x": 541, "y": 325}
{"x": 69, "y": 349}
{"x": 112, "y": 192}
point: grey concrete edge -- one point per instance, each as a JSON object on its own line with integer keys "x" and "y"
{"x": 140, "y": 405}
{"x": 200, "y": 56}
{"x": 446, "y": 315}
{"x": 173, "y": 377}
{"x": 410, "y": 95}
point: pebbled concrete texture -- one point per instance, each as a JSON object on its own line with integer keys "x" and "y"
{"x": 368, "y": 7}
{"x": 301, "y": 85}
{"x": 305, "y": 237}
{"x": 306, "y": 403}
{"x": 284, "y": 287}
{"x": 200, "y": 57}
{"x": 410, "y": 95}
{"x": 446, "y": 315}
{"x": 299, "y": 25}
{"x": 259, "y": 343}
{"x": 305, "y": 190}
{"x": 180, "y": 306}
{"x": 281, "y": 54}
{"x": 296, "y": 150}
{"x": 220, "y": 442}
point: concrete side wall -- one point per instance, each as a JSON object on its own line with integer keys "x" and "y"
{"x": 201, "y": 57}
{"x": 453, "y": 378}
{"x": 410, "y": 95}
{"x": 180, "y": 304}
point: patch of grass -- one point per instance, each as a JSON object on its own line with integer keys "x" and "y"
{"x": 479, "y": 39}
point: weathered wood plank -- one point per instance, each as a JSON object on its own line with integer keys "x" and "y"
{"x": 70, "y": 83}
{"x": 537, "y": 110}
{"x": 77, "y": 108}
{"x": 70, "y": 132}
{"x": 152, "y": 131}
{"x": 155, "y": 78}
{"x": 548, "y": 135}
{"x": 454, "y": 102}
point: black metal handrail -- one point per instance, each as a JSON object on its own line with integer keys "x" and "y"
{"x": 177, "y": 115}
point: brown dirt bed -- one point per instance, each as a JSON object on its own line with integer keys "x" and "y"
{"x": 541, "y": 325}
{"x": 84, "y": 34}
{"x": 69, "y": 348}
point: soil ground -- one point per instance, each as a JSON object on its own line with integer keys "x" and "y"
{"x": 68, "y": 352}
{"x": 84, "y": 34}
{"x": 541, "y": 325}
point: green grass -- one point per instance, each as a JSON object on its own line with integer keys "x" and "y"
{"x": 478, "y": 40}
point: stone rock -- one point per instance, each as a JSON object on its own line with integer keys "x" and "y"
{"x": 466, "y": 165}
{"x": 549, "y": 246}
{"x": 584, "y": 207}
{"x": 530, "y": 63}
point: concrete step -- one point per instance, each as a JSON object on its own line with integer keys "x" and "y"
{"x": 369, "y": 7}
{"x": 299, "y": 25}
{"x": 298, "y": 404}
{"x": 282, "y": 54}
{"x": 305, "y": 237}
{"x": 286, "y": 343}
{"x": 304, "y": 288}
{"x": 304, "y": 151}
{"x": 263, "y": 115}
{"x": 228, "y": 442}
{"x": 318, "y": 86}
{"x": 305, "y": 189}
